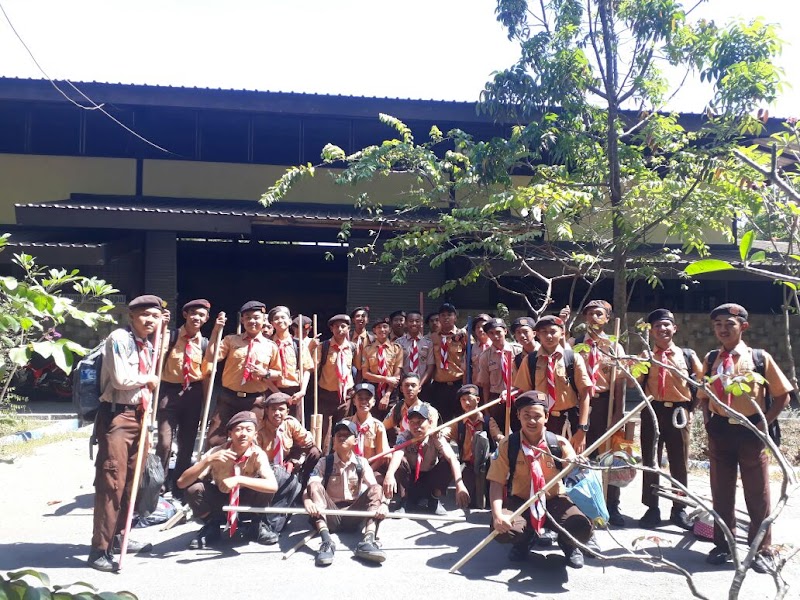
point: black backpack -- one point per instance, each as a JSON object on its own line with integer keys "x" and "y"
{"x": 569, "y": 366}
{"x": 329, "y": 469}
{"x": 515, "y": 444}
{"x": 774, "y": 428}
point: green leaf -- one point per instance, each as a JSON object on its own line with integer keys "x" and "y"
{"x": 20, "y": 355}
{"x": 44, "y": 349}
{"x": 38, "y": 575}
{"x": 758, "y": 256}
{"x": 707, "y": 265}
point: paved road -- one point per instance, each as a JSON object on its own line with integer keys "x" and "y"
{"x": 46, "y": 523}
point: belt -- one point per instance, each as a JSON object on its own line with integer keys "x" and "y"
{"x": 558, "y": 413}
{"x": 117, "y": 408}
{"x": 243, "y": 394}
{"x": 754, "y": 419}
{"x": 670, "y": 404}
{"x": 446, "y": 382}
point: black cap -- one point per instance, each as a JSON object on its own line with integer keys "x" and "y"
{"x": 197, "y": 303}
{"x": 147, "y": 301}
{"x": 253, "y": 305}
{"x": 278, "y": 309}
{"x": 398, "y": 313}
{"x": 447, "y": 307}
{"x": 357, "y": 309}
{"x": 382, "y": 321}
{"x": 364, "y": 387}
{"x": 494, "y": 324}
{"x": 244, "y": 416}
{"x": 277, "y": 398}
{"x": 348, "y": 425}
{"x": 522, "y": 322}
{"x": 478, "y": 318}
{"x": 547, "y": 321}
{"x": 421, "y": 410}
{"x": 306, "y": 321}
{"x": 730, "y": 309}
{"x": 337, "y": 318}
{"x": 470, "y": 388}
{"x": 660, "y": 314}
{"x": 532, "y": 398}
{"x": 598, "y": 304}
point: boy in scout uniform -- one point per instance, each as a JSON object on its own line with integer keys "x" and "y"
{"x": 731, "y": 445}
{"x": 479, "y": 346}
{"x": 371, "y": 437}
{"x": 360, "y": 335}
{"x": 416, "y": 348}
{"x": 381, "y": 364}
{"x": 433, "y": 324}
{"x": 449, "y": 348}
{"x": 599, "y": 365}
{"x": 397, "y": 321}
{"x": 396, "y": 421}
{"x": 424, "y": 470}
{"x": 673, "y": 403}
{"x": 512, "y": 483}
{"x": 567, "y": 390}
{"x": 181, "y": 394}
{"x": 126, "y": 385}
{"x": 524, "y": 335}
{"x": 251, "y": 369}
{"x": 291, "y": 452}
{"x": 496, "y": 369}
{"x": 335, "y": 360}
{"x": 234, "y": 473}
{"x": 344, "y": 480}
{"x": 288, "y": 349}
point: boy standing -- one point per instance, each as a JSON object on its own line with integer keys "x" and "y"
{"x": 381, "y": 364}
{"x": 449, "y": 348}
{"x": 371, "y": 437}
{"x": 336, "y": 372}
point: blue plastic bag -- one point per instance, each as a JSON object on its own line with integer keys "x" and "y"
{"x": 585, "y": 489}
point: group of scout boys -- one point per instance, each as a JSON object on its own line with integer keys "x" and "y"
{"x": 393, "y": 384}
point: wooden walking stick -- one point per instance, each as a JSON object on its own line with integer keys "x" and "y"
{"x": 358, "y": 514}
{"x": 316, "y": 418}
{"x": 468, "y": 357}
{"x": 209, "y": 391}
{"x": 507, "y": 376}
{"x": 474, "y": 411}
{"x": 141, "y": 453}
{"x": 302, "y": 542}
{"x": 554, "y": 481}
{"x": 612, "y": 386}
{"x": 301, "y": 411}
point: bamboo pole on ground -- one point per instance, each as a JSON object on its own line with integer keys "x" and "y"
{"x": 359, "y": 514}
{"x": 209, "y": 391}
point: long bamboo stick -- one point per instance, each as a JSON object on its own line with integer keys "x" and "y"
{"x": 554, "y": 481}
{"x": 301, "y": 410}
{"x": 302, "y": 542}
{"x": 612, "y": 388}
{"x": 316, "y": 418}
{"x": 509, "y": 358}
{"x": 209, "y": 392}
{"x": 361, "y": 514}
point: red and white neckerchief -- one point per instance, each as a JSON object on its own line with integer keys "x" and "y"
{"x": 382, "y": 369}
{"x": 342, "y": 370}
{"x": 532, "y": 455}
{"x": 362, "y": 434}
{"x": 187, "y": 361}
{"x": 593, "y": 363}
{"x": 471, "y": 426}
{"x": 404, "y": 420}
{"x": 505, "y": 368}
{"x": 444, "y": 363}
{"x": 144, "y": 351}
{"x": 282, "y": 347}
{"x": 551, "y": 376}
{"x": 662, "y": 373}
{"x": 233, "y": 516}
{"x": 413, "y": 356}
{"x": 277, "y": 458}
{"x": 724, "y": 373}
{"x": 247, "y": 370}
{"x": 420, "y": 455}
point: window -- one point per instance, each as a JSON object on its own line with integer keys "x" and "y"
{"x": 55, "y": 129}
{"x": 276, "y": 140}
{"x": 224, "y": 137}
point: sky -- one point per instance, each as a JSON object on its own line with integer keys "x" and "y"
{"x": 430, "y": 49}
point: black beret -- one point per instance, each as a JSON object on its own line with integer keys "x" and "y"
{"x": 348, "y": 425}
{"x": 306, "y": 321}
{"x": 277, "y": 398}
{"x": 730, "y": 309}
{"x": 597, "y": 304}
{"x": 660, "y": 314}
{"x": 278, "y": 309}
{"x": 358, "y": 309}
{"x": 198, "y": 303}
{"x": 494, "y": 324}
{"x": 532, "y": 398}
{"x": 253, "y": 305}
{"x": 478, "y": 318}
{"x": 547, "y": 321}
{"x": 147, "y": 301}
{"x": 382, "y": 321}
{"x": 337, "y": 318}
{"x": 421, "y": 410}
{"x": 244, "y": 416}
{"x": 364, "y": 387}
{"x": 522, "y": 322}
{"x": 447, "y": 307}
{"x": 470, "y": 388}
{"x": 398, "y": 313}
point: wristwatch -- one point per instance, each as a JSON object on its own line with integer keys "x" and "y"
{"x": 584, "y": 427}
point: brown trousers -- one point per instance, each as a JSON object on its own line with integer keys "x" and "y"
{"x": 731, "y": 446}
{"x": 562, "y": 511}
{"x": 178, "y": 411}
{"x": 598, "y": 425}
{"x": 207, "y": 500}
{"x": 228, "y": 404}
{"x": 294, "y": 409}
{"x": 676, "y": 441}
{"x": 437, "y": 479}
{"x": 555, "y": 423}
{"x": 498, "y": 413}
{"x": 369, "y": 500}
{"x": 331, "y": 408}
{"x": 117, "y": 450}
{"x": 444, "y": 399}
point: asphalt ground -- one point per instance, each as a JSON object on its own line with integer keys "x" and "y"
{"x": 46, "y": 523}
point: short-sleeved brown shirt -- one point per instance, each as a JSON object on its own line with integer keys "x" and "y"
{"x": 521, "y": 484}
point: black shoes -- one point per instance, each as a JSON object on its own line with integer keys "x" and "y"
{"x": 763, "y": 563}
{"x": 368, "y": 549}
{"x": 546, "y": 538}
{"x": 264, "y": 534}
{"x": 208, "y": 535}
{"x": 100, "y": 560}
{"x": 681, "y": 519}
{"x": 519, "y": 553}
{"x": 325, "y": 555}
{"x": 574, "y": 558}
{"x": 615, "y": 517}
{"x": 719, "y": 556}
{"x": 133, "y": 546}
{"x": 651, "y": 518}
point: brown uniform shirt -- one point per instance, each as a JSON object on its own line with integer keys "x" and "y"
{"x": 375, "y": 440}
{"x": 455, "y": 355}
{"x": 490, "y": 368}
{"x": 393, "y": 356}
{"x": 173, "y": 365}
{"x": 521, "y": 484}
{"x": 465, "y": 445}
{"x": 328, "y": 379}
{"x": 234, "y": 350}
{"x": 424, "y": 351}
{"x": 287, "y": 363}
{"x": 362, "y": 340}
{"x": 389, "y": 422}
{"x": 566, "y": 397}
{"x": 677, "y": 389}
{"x": 432, "y": 451}
{"x": 602, "y": 384}
{"x": 743, "y": 364}
{"x": 292, "y": 434}
{"x": 477, "y": 352}
{"x": 256, "y": 465}
{"x": 343, "y": 484}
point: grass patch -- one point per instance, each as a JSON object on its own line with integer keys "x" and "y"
{"x": 10, "y": 452}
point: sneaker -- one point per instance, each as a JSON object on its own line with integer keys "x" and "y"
{"x": 615, "y": 517}
{"x": 719, "y": 556}
{"x": 681, "y": 519}
{"x": 651, "y": 518}
{"x": 763, "y": 563}
{"x": 325, "y": 555}
{"x": 574, "y": 558}
{"x": 518, "y": 553}
{"x": 265, "y": 535}
{"x": 368, "y": 549}
{"x": 133, "y": 546}
{"x": 435, "y": 506}
{"x": 100, "y": 561}
{"x": 208, "y": 535}
{"x": 546, "y": 538}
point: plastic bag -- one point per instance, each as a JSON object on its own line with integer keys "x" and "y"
{"x": 150, "y": 486}
{"x": 164, "y": 512}
{"x": 585, "y": 489}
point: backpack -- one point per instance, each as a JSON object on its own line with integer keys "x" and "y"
{"x": 397, "y": 411}
{"x": 514, "y": 445}
{"x": 173, "y": 340}
{"x": 569, "y": 366}
{"x": 774, "y": 428}
{"x": 329, "y": 469}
